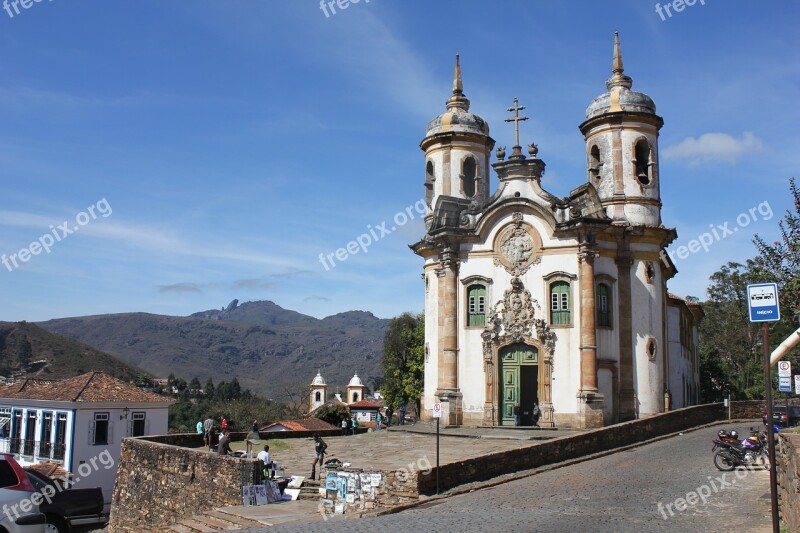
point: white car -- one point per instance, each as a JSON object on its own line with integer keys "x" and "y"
{"x": 19, "y": 510}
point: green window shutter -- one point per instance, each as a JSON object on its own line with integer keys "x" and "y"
{"x": 476, "y": 305}
{"x": 603, "y": 304}
{"x": 559, "y": 303}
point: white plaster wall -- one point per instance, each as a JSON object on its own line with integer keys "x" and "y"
{"x": 89, "y": 454}
{"x": 606, "y": 385}
{"x": 431, "y": 339}
{"x": 647, "y": 321}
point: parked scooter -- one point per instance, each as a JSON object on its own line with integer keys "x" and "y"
{"x": 747, "y": 452}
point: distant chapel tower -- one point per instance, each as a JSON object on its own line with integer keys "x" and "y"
{"x": 355, "y": 390}
{"x": 319, "y": 393}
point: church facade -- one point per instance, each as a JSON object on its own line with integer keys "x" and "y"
{"x": 534, "y": 298}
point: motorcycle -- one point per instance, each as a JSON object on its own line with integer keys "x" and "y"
{"x": 733, "y": 453}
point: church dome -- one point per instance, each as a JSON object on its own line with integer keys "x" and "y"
{"x": 355, "y": 382}
{"x": 319, "y": 380}
{"x": 619, "y": 96}
{"x": 457, "y": 118}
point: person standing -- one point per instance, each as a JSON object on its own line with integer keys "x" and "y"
{"x": 378, "y": 420}
{"x": 319, "y": 454}
{"x": 208, "y": 426}
{"x": 516, "y": 415}
{"x": 402, "y": 415}
{"x": 224, "y": 423}
{"x": 537, "y": 413}
{"x": 344, "y": 425}
{"x": 199, "y": 427}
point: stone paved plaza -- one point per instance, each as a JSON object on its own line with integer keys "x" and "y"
{"x": 619, "y": 492}
{"x": 397, "y": 448}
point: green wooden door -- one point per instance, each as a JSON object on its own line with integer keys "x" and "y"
{"x": 511, "y": 359}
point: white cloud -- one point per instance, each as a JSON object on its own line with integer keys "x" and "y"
{"x": 714, "y": 148}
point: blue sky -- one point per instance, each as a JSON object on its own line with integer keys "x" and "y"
{"x": 233, "y": 142}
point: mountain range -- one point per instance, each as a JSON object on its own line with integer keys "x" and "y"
{"x": 269, "y": 349}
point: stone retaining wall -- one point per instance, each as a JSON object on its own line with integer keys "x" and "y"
{"x": 366, "y": 491}
{"x": 152, "y": 491}
{"x": 788, "y": 467}
{"x": 562, "y": 449}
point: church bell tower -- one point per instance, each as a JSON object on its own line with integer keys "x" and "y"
{"x": 457, "y": 149}
{"x": 621, "y": 133}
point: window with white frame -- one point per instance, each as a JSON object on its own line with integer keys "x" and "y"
{"x": 138, "y": 425}
{"x": 100, "y": 430}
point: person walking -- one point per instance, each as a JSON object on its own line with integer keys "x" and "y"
{"x": 319, "y": 454}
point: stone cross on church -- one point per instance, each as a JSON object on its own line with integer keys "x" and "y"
{"x": 516, "y": 119}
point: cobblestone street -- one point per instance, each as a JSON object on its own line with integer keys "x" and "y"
{"x": 619, "y": 492}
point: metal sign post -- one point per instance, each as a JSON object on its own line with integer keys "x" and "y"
{"x": 437, "y": 414}
{"x": 762, "y": 304}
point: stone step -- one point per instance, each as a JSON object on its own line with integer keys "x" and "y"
{"x": 234, "y": 519}
{"x": 197, "y": 526}
{"x": 180, "y": 529}
{"x": 213, "y": 522}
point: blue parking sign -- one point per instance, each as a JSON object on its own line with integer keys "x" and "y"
{"x": 762, "y": 302}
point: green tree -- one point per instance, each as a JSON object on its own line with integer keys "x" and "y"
{"x": 333, "y": 414}
{"x": 208, "y": 390}
{"x": 781, "y": 259}
{"x": 404, "y": 360}
{"x": 194, "y": 385}
{"x": 730, "y": 361}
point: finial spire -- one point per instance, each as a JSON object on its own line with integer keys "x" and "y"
{"x": 458, "y": 100}
{"x": 458, "y": 86}
{"x": 617, "y": 66}
{"x": 618, "y": 78}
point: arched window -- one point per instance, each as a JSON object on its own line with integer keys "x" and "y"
{"x": 594, "y": 164}
{"x": 469, "y": 171}
{"x": 559, "y": 303}
{"x": 429, "y": 179}
{"x": 603, "y": 304}
{"x": 476, "y": 305}
{"x": 355, "y": 397}
{"x": 643, "y": 162}
{"x": 317, "y": 396}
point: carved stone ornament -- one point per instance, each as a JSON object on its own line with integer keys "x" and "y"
{"x": 517, "y": 248}
{"x": 513, "y": 318}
